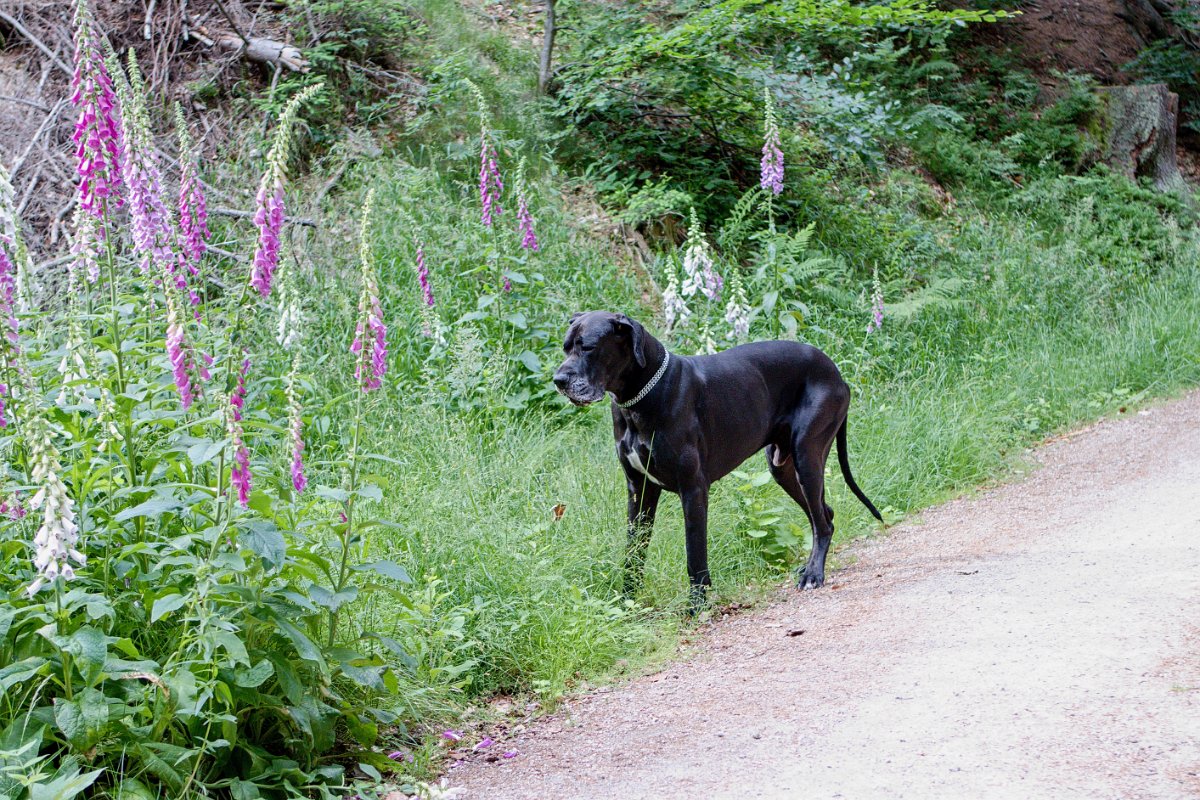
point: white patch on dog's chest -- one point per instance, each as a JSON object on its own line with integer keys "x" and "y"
{"x": 636, "y": 462}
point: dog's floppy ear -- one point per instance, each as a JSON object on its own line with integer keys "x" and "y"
{"x": 638, "y": 333}
{"x": 574, "y": 317}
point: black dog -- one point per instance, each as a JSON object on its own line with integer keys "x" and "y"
{"x": 682, "y": 423}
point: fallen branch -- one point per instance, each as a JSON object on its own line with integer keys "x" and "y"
{"x": 264, "y": 51}
{"x": 38, "y": 43}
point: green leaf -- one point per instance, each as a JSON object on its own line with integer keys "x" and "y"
{"x": 266, "y": 541}
{"x": 304, "y": 646}
{"x": 205, "y": 450}
{"x": 90, "y": 649}
{"x": 332, "y": 493}
{"x": 19, "y": 672}
{"x": 154, "y": 507}
{"x": 388, "y": 569}
{"x": 370, "y": 491}
{"x": 82, "y": 720}
{"x": 332, "y": 600}
{"x": 165, "y": 605}
{"x": 231, "y": 643}
{"x": 531, "y": 361}
{"x": 68, "y": 783}
{"x": 243, "y": 790}
{"x": 253, "y": 677}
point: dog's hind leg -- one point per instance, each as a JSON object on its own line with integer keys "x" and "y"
{"x": 814, "y": 430}
{"x": 643, "y": 505}
{"x": 779, "y": 461}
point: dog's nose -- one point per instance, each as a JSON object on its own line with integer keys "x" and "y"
{"x": 561, "y": 380}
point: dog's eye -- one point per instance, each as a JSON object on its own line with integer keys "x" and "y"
{"x": 587, "y": 348}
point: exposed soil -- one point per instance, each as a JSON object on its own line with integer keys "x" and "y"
{"x": 1039, "y": 640}
{"x": 1086, "y": 36}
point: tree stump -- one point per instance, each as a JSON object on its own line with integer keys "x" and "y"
{"x": 1139, "y": 134}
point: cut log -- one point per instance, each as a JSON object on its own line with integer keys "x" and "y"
{"x": 264, "y": 51}
{"x": 1139, "y": 133}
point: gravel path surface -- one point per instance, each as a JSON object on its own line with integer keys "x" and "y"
{"x": 1041, "y": 639}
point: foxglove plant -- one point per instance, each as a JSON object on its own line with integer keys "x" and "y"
{"x": 271, "y": 208}
{"x": 56, "y": 538}
{"x": 430, "y": 325}
{"x": 153, "y": 236}
{"x": 9, "y": 331}
{"x": 193, "y": 210}
{"x": 291, "y": 316}
{"x": 876, "y": 322}
{"x": 491, "y": 186}
{"x": 179, "y": 353}
{"x": 296, "y": 427}
{"x": 73, "y": 368}
{"x": 771, "y": 174}
{"x": 699, "y": 273}
{"x": 370, "y": 334}
{"x": 737, "y": 310}
{"x": 239, "y": 473}
{"x": 524, "y": 218}
{"x": 675, "y": 307}
{"x": 85, "y": 244}
{"x": 97, "y": 130}
{"x": 12, "y": 507}
{"x": 10, "y": 231}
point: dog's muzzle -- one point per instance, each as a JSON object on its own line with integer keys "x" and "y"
{"x": 576, "y": 389}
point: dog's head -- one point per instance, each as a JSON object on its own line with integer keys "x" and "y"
{"x": 601, "y": 348}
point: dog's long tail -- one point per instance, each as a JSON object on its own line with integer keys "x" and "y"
{"x": 844, "y": 460}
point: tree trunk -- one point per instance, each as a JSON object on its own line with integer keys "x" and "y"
{"x": 544, "y": 67}
{"x": 1139, "y": 133}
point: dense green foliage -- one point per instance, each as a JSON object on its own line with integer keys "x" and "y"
{"x": 462, "y": 529}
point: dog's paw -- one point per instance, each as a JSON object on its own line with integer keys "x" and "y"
{"x": 810, "y": 579}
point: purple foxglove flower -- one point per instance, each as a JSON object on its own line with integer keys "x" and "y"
{"x": 179, "y": 355}
{"x": 876, "y": 322}
{"x": 97, "y": 132}
{"x": 153, "y": 234}
{"x": 771, "y": 176}
{"x": 270, "y": 204}
{"x": 12, "y": 507}
{"x": 510, "y": 754}
{"x": 525, "y": 225}
{"x": 239, "y": 474}
{"x": 423, "y": 276}
{"x": 370, "y": 334}
{"x": 490, "y": 184}
{"x": 507, "y": 285}
{"x": 193, "y": 210}
{"x": 484, "y": 744}
{"x": 9, "y": 327}
{"x": 269, "y": 219}
{"x": 452, "y": 736}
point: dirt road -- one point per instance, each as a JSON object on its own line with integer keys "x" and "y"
{"x": 1041, "y": 640}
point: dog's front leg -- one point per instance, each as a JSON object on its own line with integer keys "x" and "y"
{"x": 695, "y": 527}
{"x": 643, "y": 504}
